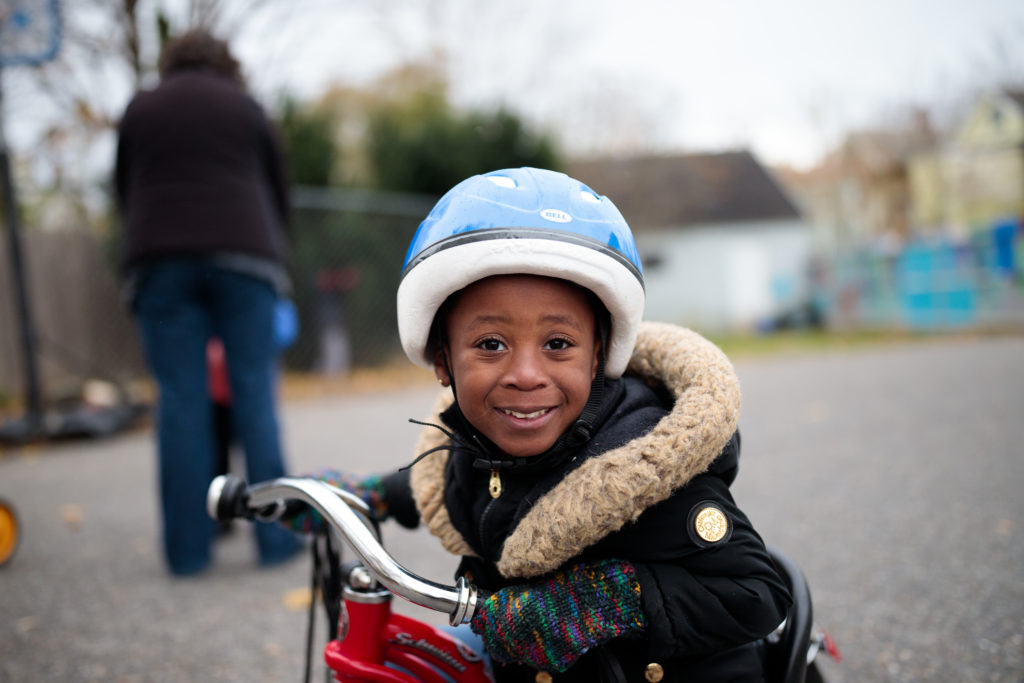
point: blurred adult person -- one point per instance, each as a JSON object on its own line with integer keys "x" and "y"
{"x": 203, "y": 198}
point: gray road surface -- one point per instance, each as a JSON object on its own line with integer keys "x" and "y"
{"x": 892, "y": 474}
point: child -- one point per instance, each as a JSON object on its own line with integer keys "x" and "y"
{"x": 580, "y": 463}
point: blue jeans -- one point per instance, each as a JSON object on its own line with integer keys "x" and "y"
{"x": 180, "y": 303}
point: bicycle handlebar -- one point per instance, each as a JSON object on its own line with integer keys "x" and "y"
{"x": 229, "y": 497}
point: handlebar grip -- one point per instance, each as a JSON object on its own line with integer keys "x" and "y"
{"x": 228, "y": 498}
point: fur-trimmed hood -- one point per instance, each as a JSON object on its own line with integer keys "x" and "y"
{"x": 631, "y": 478}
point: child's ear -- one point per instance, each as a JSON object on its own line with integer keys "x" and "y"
{"x": 439, "y": 368}
{"x": 597, "y": 356}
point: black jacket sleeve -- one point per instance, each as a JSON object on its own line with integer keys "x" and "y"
{"x": 401, "y": 505}
{"x": 702, "y": 597}
{"x": 276, "y": 169}
{"x": 122, "y": 171}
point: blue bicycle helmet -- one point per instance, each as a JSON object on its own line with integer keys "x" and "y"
{"x": 527, "y": 221}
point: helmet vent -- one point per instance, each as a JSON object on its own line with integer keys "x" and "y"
{"x": 589, "y": 197}
{"x": 502, "y": 181}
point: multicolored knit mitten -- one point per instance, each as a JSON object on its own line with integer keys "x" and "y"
{"x": 369, "y": 489}
{"x": 550, "y": 624}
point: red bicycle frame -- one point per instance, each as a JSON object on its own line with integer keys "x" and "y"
{"x": 376, "y": 645}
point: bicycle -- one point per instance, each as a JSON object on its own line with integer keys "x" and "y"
{"x": 370, "y": 643}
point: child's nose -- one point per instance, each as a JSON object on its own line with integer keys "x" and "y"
{"x": 525, "y": 370}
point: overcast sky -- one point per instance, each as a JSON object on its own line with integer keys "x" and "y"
{"x": 785, "y": 77}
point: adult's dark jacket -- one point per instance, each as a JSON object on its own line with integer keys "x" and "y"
{"x": 665, "y": 448}
{"x": 199, "y": 171}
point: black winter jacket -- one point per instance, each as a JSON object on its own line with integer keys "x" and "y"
{"x": 665, "y": 451}
{"x": 199, "y": 171}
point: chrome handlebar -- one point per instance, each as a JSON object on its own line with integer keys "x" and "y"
{"x": 338, "y": 508}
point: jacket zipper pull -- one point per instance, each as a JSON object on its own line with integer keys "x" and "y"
{"x": 495, "y": 486}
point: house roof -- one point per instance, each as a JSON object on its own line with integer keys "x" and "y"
{"x": 656, "y": 192}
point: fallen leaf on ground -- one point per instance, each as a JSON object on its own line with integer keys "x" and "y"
{"x": 72, "y": 515}
{"x": 297, "y": 599}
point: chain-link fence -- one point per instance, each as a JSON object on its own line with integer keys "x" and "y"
{"x": 81, "y": 330}
{"x": 346, "y": 261}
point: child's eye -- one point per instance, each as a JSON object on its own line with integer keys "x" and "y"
{"x": 558, "y": 344}
{"x": 491, "y": 345}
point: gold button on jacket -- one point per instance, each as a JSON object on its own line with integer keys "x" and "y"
{"x": 654, "y": 672}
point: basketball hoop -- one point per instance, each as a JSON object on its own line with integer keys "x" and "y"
{"x": 29, "y": 32}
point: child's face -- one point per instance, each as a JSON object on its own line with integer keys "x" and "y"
{"x": 523, "y": 352}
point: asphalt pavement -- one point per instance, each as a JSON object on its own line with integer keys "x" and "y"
{"x": 892, "y": 474}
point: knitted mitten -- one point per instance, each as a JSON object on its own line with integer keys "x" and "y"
{"x": 550, "y": 624}
{"x": 369, "y": 489}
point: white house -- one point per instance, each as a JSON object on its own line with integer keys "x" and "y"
{"x": 723, "y": 247}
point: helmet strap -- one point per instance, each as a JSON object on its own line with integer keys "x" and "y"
{"x": 583, "y": 428}
{"x": 442, "y": 340}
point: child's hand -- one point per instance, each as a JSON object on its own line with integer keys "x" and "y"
{"x": 369, "y": 489}
{"x": 550, "y": 624}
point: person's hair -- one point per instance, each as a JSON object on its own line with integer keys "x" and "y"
{"x": 199, "y": 50}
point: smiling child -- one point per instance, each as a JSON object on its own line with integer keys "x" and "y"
{"x": 579, "y": 460}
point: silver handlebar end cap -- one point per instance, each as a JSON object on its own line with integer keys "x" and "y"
{"x": 465, "y": 604}
{"x": 213, "y": 495}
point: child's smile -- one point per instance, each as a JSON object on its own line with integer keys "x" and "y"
{"x": 523, "y": 353}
